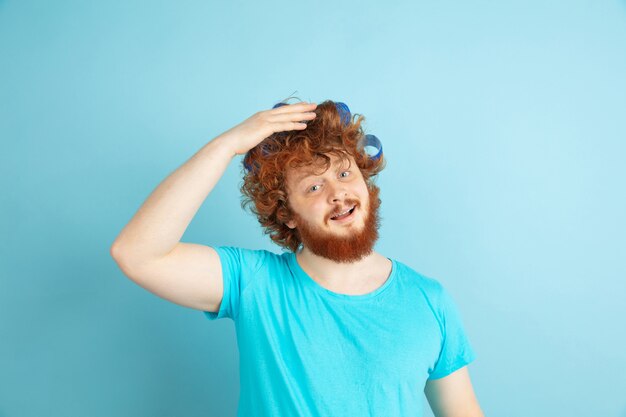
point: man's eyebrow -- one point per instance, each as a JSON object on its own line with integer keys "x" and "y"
{"x": 305, "y": 175}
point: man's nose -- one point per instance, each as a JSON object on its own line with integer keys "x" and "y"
{"x": 336, "y": 192}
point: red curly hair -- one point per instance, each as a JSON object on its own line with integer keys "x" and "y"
{"x": 264, "y": 185}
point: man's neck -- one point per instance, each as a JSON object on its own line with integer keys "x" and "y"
{"x": 358, "y": 277}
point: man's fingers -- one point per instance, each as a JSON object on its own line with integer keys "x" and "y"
{"x": 291, "y": 108}
{"x": 291, "y": 117}
{"x": 283, "y": 127}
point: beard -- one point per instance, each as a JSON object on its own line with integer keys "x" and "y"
{"x": 343, "y": 249}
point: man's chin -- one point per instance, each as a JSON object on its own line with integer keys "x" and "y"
{"x": 347, "y": 246}
{"x": 344, "y": 230}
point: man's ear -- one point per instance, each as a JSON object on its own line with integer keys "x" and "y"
{"x": 287, "y": 213}
{"x": 284, "y": 215}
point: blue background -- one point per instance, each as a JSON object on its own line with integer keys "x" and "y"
{"x": 504, "y": 128}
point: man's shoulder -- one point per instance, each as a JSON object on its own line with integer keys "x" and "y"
{"x": 415, "y": 277}
{"x": 255, "y": 258}
{"x": 242, "y": 250}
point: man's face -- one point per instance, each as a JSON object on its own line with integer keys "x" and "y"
{"x": 334, "y": 212}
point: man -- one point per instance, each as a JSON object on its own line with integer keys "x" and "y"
{"x": 331, "y": 327}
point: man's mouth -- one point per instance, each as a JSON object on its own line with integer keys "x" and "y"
{"x": 344, "y": 214}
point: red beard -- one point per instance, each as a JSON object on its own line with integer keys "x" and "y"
{"x": 344, "y": 249}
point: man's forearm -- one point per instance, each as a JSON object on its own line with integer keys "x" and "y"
{"x": 161, "y": 221}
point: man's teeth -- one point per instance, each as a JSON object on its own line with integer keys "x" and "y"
{"x": 341, "y": 214}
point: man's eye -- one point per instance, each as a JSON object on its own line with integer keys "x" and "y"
{"x": 314, "y": 188}
{"x": 344, "y": 174}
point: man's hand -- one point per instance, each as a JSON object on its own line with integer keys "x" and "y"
{"x": 263, "y": 124}
{"x": 453, "y": 396}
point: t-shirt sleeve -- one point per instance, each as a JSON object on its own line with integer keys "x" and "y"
{"x": 456, "y": 351}
{"x": 239, "y": 266}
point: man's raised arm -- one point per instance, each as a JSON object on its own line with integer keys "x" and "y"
{"x": 148, "y": 249}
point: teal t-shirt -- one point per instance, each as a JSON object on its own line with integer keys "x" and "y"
{"x": 309, "y": 352}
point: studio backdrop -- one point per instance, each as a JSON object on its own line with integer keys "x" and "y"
{"x": 504, "y": 131}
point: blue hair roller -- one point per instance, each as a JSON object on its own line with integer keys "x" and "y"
{"x": 344, "y": 112}
{"x": 373, "y": 147}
